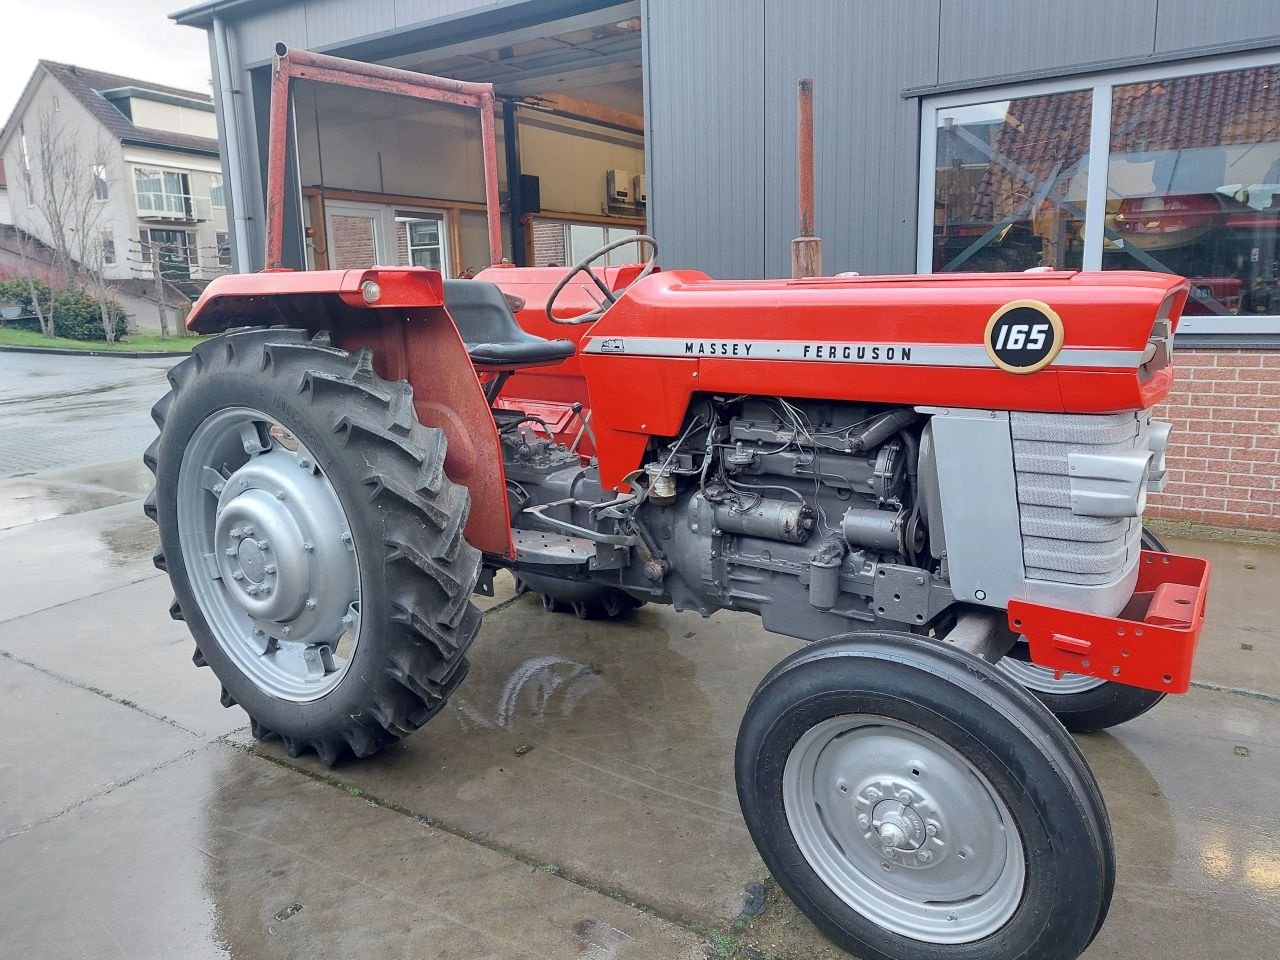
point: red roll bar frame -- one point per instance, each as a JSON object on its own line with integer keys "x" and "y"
{"x": 293, "y": 65}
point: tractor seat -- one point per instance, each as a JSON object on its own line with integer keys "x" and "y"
{"x": 489, "y": 329}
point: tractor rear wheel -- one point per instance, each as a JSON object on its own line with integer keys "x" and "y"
{"x": 1083, "y": 704}
{"x": 313, "y": 540}
{"x": 915, "y": 804}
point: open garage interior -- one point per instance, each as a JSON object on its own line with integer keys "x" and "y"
{"x": 396, "y": 180}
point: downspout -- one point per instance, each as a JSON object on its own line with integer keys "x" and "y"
{"x": 231, "y": 135}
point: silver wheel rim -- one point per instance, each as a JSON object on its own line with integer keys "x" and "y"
{"x": 1040, "y": 679}
{"x": 903, "y": 829}
{"x": 269, "y": 554}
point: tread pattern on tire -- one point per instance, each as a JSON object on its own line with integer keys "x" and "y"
{"x": 431, "y": 570}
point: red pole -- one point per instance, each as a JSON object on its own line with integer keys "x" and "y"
{"x": 489, "y": 146}
{"x": 277, "y": 154}
{"x": 806, "y": 249}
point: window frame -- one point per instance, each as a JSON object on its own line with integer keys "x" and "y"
{"x": 1102, "y": 85}
{"x": 101, "y": 186}
{"x": 217, "y": 183}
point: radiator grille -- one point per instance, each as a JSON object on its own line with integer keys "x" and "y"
{"x": 1057, "y": 545}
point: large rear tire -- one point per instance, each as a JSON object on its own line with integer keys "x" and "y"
{"x": 313, "y": 540}
{"x": 1083, "y": 704}
{"x": 917, "y": 805}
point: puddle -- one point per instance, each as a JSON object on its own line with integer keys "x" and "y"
{"x": 130, "y": 541}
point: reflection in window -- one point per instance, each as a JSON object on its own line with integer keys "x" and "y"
{"x": 1011, "y": 183}
{"x": 1193, "y": 186}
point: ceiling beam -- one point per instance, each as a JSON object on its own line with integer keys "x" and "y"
{"x": 587, "y": 110}
{"x": 585, "y": 21}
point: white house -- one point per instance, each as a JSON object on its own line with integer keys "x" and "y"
{"x": 151, "y": 158}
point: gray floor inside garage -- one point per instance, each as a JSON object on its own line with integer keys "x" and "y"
{"x": 137, "y": 817}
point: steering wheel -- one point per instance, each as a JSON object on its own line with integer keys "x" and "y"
{"x": 584, "y": 266}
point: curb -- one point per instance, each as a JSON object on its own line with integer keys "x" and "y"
{"x": 67, "y": 352}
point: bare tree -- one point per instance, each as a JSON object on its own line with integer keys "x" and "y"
{"x": 44, "y": 311}
{"x": 75, "y": 179}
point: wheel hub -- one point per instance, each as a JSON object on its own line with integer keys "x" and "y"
{"x": 282, "y": 587}
{"x": 903, "y": 829}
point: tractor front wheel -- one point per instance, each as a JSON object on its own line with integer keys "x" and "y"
{"x": 917, "y": 805}
{"x": 313, "y": 540}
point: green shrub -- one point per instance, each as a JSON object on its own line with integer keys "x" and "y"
{"x": 16, "y": 290}
{"x": 77, "y": 316}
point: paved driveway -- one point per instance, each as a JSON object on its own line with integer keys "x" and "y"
{"x": 137, "y": 817}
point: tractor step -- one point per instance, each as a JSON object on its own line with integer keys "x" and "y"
{"x": 537, "y": 546}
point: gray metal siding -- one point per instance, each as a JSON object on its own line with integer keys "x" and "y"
{"x": 1186, "y": 24}
{"x": 861, "y": 56}
{"x": 720, "y": 97}
{"x": 986, "y": 38}
{"x": 705, "y": 132}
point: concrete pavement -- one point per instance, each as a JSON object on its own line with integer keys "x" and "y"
{"x": 574, "y": 800}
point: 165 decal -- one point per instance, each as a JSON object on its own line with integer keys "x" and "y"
{"x": 1024, "y": 336}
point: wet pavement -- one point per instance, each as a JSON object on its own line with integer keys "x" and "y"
{"x": 575, "y": 800}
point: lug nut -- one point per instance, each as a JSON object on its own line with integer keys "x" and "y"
{"x": 346, "y": 537}
{"x": 924, "y": 856}
{"x": 279, "y": 494}
{"x": 218, "y": 488}
{"x": 237, "y": 575}
{"x": 872, "y": 794}
{"x": 257, "y": 631}
{"x": 236, "y": 533}
{"x": 347, "y": 621}
{"x": 270, "y": 568}
{"x": 285, "y": 630}
{"x": 930, "y": 830}
{"x": 230, "y": 551}
{"x": 248, "y": 530}
{"x": 905, "y": 797}
{"x": 308, "y": 547}
{"x": 304, "y": 463}
{"x": 864, "y": 822}
{"x": 253, "y": 590}
{"x": 262, "y": 545}
{"x": 311, "y": 604}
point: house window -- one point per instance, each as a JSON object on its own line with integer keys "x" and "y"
{"x": 216, "y": 195}
{"x": 22, "y": 144}
{"x": 161, "y": 193}
{"x": 1173, "y": 169}
{"x": 108, "y": 241}
{"x": 171, "y": 250}
{"x": 101, "y": 189}
{"x": 423, "y": 239}
{"x": 223, "y": 242}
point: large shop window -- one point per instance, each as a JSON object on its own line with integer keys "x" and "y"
{"x": 1173, "y": 169}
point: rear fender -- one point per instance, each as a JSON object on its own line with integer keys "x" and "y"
{"x": 399, "y": 315}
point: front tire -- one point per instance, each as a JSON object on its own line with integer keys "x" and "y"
{"x": 917, "y": 805}
{"x": 313, "y": 540}
{"x": 1083, "y": 704}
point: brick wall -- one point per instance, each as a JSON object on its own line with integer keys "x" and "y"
{"x": 548, "y": 243}
{"x": 350, "y": 243}
{"x": 1224, "y": 454}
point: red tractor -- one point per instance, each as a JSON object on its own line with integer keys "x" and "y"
{"x": 923, "y": 476}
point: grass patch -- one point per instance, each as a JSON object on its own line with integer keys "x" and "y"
{"x": 138, "y": 343}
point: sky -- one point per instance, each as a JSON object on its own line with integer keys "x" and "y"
{"x": 135, "y": 38}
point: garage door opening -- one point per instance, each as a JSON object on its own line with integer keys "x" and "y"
{"x": 394, "y": 180}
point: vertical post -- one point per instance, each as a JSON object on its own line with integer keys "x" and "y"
{"x": 806, "y": 249}
{"x": 277, "y": 161}
{"x": 489, "y": 145}
{"x": 511, "y": 143}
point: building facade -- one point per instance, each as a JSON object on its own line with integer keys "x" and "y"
{"x": 951, "y": 135}
{"x": 134, "y": 164}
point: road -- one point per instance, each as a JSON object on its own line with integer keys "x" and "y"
{"x": 575, "y": 800}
